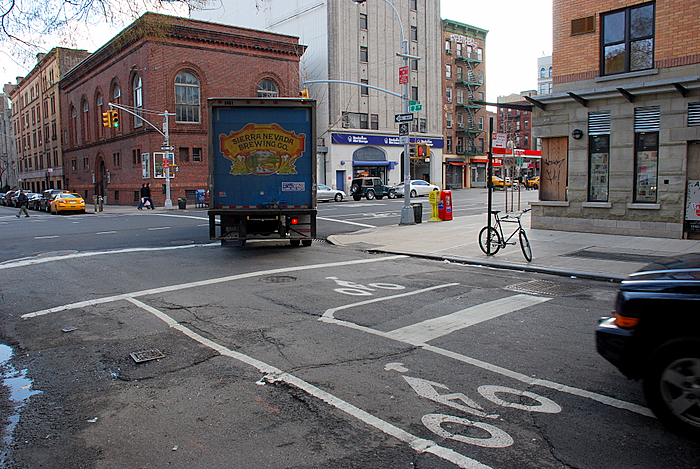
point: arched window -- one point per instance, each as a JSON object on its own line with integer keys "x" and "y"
{"x": 84, "y": 122}
{"x": 186, "y": 98}
{"x": 550, "y": 71}
{"x": 117, "y": 93}
{"x": 268, "y": 89}
{"x": 542, "y": 71}
{"x": 138, "y": 100}
{"x": 73, "y": 126}
{"x": 100, "y": 132}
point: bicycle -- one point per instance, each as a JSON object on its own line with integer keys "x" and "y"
{"x": 497, "y": 240}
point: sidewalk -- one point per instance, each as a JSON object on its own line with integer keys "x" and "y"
{"x": 586, "y": 255}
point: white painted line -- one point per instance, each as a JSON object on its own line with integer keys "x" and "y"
{"x": 422, "y": 332}
{"x": 161, "y": 228}
{"x": 610, "y": 401}
{"x": 346, "y": 222}
{"x": 275, "y": 375}
{"x": 105, "y": 232}
{"x": 181, "y": 216}
{"x": 45, "y": 237}
{"x": 33, "y": 261}
{"x": 542, "y": 382}
{"x": 202, "y": 283}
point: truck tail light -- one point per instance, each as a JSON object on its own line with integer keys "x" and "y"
{"x": 625, "y": 321}
{"x": 294, "y": 221}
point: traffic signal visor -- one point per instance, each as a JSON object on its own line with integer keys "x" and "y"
{"x": 107, "y": 119}
{"x": 305, "y": 94}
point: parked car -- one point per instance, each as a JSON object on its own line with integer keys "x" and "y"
{"x": 7, "y": 198}
{"x": 370, "y": 187}
{"x": 418, "y": 188}
{"x": 67, "y": 202}
{"x": 323, "y": 192}
{"x": 33, "y": 203}
{"x": 655, "y": 336}
{"x": 46, "y": 197}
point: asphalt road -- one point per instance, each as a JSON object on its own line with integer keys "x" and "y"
{"x": 315, "y": 357}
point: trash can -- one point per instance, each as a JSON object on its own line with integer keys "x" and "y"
{"x": 181, "y": 203}
{"x": 417, "y": 212}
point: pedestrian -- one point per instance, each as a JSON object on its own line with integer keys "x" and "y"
{"x": 23, "y": 202}
{"x": 142, "y": 194}
{"x": 527, "y": 186}
{"x": 148, "y": 195}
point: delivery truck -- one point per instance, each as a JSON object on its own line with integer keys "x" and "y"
{"x": 262, "y": 170}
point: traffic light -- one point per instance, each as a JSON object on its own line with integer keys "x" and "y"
{"x": 107, "y": 119}
{"x": 115, "y": 118}
{"x": 305, "y": 94}
{"x": 422, "y": 150}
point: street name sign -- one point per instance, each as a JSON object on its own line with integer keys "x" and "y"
{"x": 403, "y": 117}
{"x": 415, "y": 107}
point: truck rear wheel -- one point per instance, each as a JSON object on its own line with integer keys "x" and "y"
{"x": 356, "y": 197}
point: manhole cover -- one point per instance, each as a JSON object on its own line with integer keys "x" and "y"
{"x": 146, "y": 355}
{"x": 545, "y": 287}
{"x": 278, "y": 279}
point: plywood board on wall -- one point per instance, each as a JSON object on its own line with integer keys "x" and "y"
{"x": 554, "y": 168}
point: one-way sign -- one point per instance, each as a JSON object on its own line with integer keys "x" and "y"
{"x": 403, "y": 117}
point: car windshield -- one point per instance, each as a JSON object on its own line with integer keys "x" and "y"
{"x": 68, "y": 196}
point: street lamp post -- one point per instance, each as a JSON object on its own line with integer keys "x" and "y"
{"x": 407, "y": 217}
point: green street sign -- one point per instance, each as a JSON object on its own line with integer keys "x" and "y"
{"x": 415, "y": 107}
{"x": 413, "y": 103}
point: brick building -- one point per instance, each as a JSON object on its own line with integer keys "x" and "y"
{"x": 36, "y": 120}
{"x": 466, "y": 134}
{"x": 620, "y": 130}
{"x": 517, "y": 125}
{"x": 161, "y": 63}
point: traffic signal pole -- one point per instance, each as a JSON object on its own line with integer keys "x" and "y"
{"x": 165, "y": 147}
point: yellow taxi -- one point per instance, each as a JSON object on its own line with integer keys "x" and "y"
{"x": 533, "y": 182}
{"x": 67, "y": 202}
{"x": 498, "y": 181}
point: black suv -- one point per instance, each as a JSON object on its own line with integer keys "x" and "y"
{"x": 655, "y": 337}
{"x": 370, "y": 188}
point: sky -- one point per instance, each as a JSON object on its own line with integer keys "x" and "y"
{"x": 520, "y": 32}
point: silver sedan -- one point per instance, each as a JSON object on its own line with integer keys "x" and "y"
{"x": 324, "y": 192}
{"x": 418, "y": 188}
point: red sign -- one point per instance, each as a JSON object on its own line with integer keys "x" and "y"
{"x": 166, "y": 162}
{"x": 403, "y": 75}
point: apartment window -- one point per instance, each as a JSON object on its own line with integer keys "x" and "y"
{"x": 184, "y": 154}
{"x": 414, "y": 64}
{"x": 460, "y": 73}
{"x": 414, "y": 33}
{"x": 647, "y": 122}
{"x": 448, "y": 47}
{"x": 374, "y": 121}
{"x": 481, "y": 77}
{"x": 73, "y": 164}
{"x": 414, "y": 93}
{"x": 364, "y": 121}
{"x": 363, "y": 21}
{"x": 460, "y": 96}
{"x": 414, "y": 5}
{"x": 542, "y": 73}
{"x": 138, "y": 101}
{"x": 268, "y": 89}
{"x": 481, "y": 95}
{"x": 526, "y": 124}
{"x": 423, "y": 125}
{"x": 549, "y": 72}
{"x": 117, "y": 159}
{"x": 364, "y": 56}
{"x": 448, "y": 145}
{"x": 549, "y": 88}
{"x": 448, "y": 95}
{"x": 55, "y": 158}
{"x": 135, "y": 156}
{"x": 481, "y": 145}
{"x": 449, "y": 120}
{"x": 448, "y": 71}
{"x": 459, "y": 50}
{"x": 196, "y": 154}
{"x": 479, "y": 54}
{"x": 481, "y": 123}
{"x": 53, "y": 104}
{"x": 364, "y": 91}
{"x": 628, "y": 39}
{"x": 86, "y": 163}
{"x": 460, "y": 145}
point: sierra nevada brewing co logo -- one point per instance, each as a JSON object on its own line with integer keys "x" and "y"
{"x": 262, "y": 150}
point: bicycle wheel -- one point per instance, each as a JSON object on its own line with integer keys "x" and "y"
{"x": 525, "y": 245}
{"x": 493, "y": 238}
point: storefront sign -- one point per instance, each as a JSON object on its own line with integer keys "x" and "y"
{"x": 360, "y": 139}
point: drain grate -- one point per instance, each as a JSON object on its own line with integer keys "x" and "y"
{"x": 278, "y": 279}
{"x": 615, "y": 256}
{"x": 146, "y": 355}
{"x": 546, "y": 287}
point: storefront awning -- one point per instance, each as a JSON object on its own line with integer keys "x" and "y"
{"x": 371, "y": 163}
{"x": 457, "y": 163}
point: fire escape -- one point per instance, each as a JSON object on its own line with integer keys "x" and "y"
{"x": 467, "y": 124}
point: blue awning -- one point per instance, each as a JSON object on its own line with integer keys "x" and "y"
{"x": 371, "y": 163}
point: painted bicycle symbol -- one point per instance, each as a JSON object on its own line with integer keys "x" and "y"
{"x": 357, "y": 289}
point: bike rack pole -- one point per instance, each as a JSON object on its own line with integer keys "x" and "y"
{"x": 489, "y": 188}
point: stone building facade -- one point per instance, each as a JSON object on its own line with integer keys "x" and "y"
{"x": 464, "y": 121}
{"x": 8, "y": 151}
{"x": 36, "y": 120}
{"x": 163, "y": 63}
{"x": 620, "y": 131}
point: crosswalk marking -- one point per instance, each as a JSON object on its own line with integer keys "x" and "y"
{"x": 430, "y": 329}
